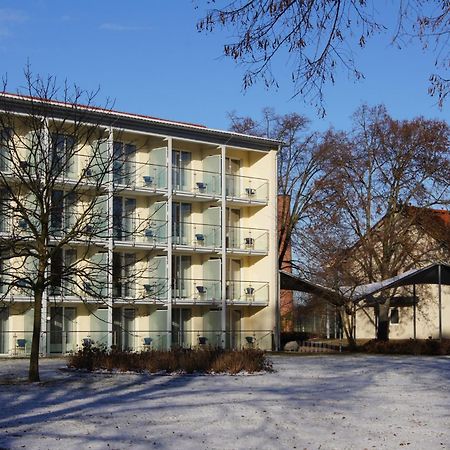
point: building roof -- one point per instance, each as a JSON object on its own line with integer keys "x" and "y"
{"x": 136, "y": 122}
{"x": 435, "y": 222}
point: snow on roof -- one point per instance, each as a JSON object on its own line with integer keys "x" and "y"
{"x": 433, "y": 274}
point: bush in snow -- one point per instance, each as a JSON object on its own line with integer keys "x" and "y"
{"x": 180, "y": 360}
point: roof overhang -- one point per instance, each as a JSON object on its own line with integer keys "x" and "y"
{"x": 60, "y": 110}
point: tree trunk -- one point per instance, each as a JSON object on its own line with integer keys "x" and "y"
{"x": 383, "y": 321}
{"x": 33, "y": 373}
{"x": 348, "y": 329}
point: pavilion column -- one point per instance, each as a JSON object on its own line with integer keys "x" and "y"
{"x": 414, "y": 312}
{"x": 440, "y": 301}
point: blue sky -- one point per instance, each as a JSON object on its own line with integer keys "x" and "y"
{"x": 148, "y": 56}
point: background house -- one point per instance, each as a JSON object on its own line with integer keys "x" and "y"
{"x": 414, "y": 309}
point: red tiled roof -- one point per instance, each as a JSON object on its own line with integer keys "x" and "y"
{"x": 442, "y": 214}
{"x": 435, "y": 222}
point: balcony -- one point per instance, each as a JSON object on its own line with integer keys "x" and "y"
{"x": 196, "y": 290}
{"x": 147, "y": 176}
{"x": 196, "y": 182}
{"x": 206, "y": 291}
{"x": 92, "y": 227}
{"x": 133, "y": 230}
{"x": 154, "y": 288}
{"x": 196, "y": 235}
{"x": 124, "y": 288}
{"x": 247, "y": 292}
{"x": 247, "y": 240}
{"x": 5, "y": 227}
{"x": 247, "y": 189}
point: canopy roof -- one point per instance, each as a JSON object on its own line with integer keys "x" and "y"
{"x": 292, "y": 282}
{"x": 437, "y": 273}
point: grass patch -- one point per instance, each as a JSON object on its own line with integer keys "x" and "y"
{"x": 173, "y": 361}
{"x": 407, "y": 347}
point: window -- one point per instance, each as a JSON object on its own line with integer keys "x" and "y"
{"x": 180, "y": 162}
{"x": 4, "y": 264}
{"x": 62, "y": 269}
{"x": 395, "y": 317}
{"x": 124, "y": 275}
{"x": 124, "y": 218}
{"x": 62, "y": 161}
{"x": 62, "y": 212}
{"x": 124, "y": 163}
{"x": 181, "y": 213}
{"x": 5, "y": 145}
{"x": 4, "y": 211}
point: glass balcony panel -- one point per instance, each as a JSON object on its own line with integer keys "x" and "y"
{"x": 132, "y": 229}
{"x": 153, "y": 288}
{"x": 197, "y": 181}
{"x": 206, "y": 290}
{"x": 124, "y": 228}
{"x": 247, "y": 239}
{"x": 98, "y": 330}
{"x": 90, "y": 226}
{"x": 196, "y": 234}
{"x": 151, "y": 176}
{"x": 124, "y": 288}
{"x": 182, "y": 288}
{"x": 5, "y": 159}
{"x": 4, "y": 224}
{"x": 155, "y": 338}
{"x": 140, "y": 175}
{"x": 248, "y": 291}
{"x": 247, "y": 188}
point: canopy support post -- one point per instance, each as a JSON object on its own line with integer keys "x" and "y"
{"x": 440, "y": 302}
{"x": 414, "y": 312}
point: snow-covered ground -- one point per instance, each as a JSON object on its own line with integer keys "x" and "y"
{"x": 310, "y": 402}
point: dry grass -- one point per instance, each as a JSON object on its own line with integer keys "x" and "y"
{"x": 174, "y": 361}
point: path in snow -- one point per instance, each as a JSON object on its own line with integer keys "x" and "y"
{"x": 310, "y": 402}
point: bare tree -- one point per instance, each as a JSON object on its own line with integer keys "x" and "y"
{"x": 302, "y": 175}
{"x": 386, "y": 174}
{"x": 318, "y": 38}
{"x": 57, "y": 172}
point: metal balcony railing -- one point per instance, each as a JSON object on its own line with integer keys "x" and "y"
{"x": 247, "y": 291}
{"x": 140, "y": 175}
{"x": 210, "y": 291}
{"x": 196, "y": 181}
{"x": 196, "y": 289}
{"x": 17, "y": 342}
{"x": 136, "y": 230}
{"x": 247, "y": 239}
{"x": 93, "y": 226}
{"x": 247, "y": 188}
{"x": 196, "y": 235}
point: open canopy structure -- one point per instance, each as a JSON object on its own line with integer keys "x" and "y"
{"x": 437, "y": 273}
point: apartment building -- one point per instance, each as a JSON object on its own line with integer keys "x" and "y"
{"x": 183, "y": 236}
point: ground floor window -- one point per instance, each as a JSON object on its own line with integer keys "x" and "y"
{"x": 62, "y": 329}
{"x": 4, "y": 330}
{"x": 395, "y": 317}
